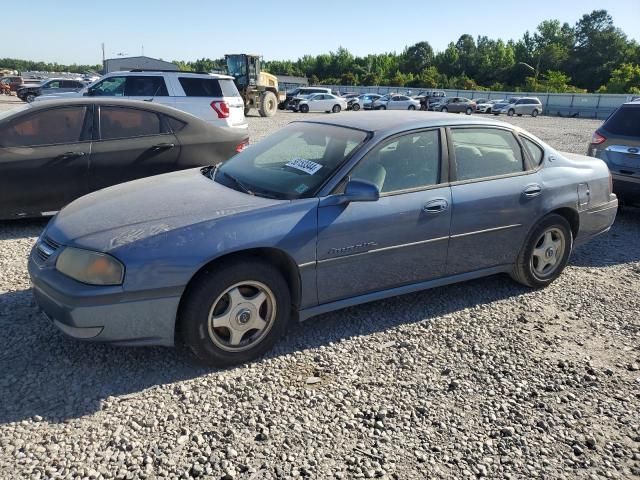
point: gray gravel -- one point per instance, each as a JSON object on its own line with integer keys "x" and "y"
{"x": 482, "y": 379}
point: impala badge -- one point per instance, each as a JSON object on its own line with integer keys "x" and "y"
{"x": 352, "y": 248}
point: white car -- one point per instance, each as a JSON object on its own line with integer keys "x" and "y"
{"x": 213, "y": 98}
{"x": 485, "y": 107}
{"x": 396, "y": 102}
{"x": 320, "y": 102}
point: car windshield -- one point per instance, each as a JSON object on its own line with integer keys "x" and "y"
{"x": 292, "y": 163}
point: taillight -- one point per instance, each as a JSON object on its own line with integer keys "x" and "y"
{"x": 597, "y": 139}
{"x": 221, "y": 108}
{"x": 242, "y": 145}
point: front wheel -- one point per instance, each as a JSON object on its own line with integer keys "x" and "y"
{"x": 444, "y": 109}
{"x": 336, "y": 109}
{"x": 304, "y": 108}
{"x": 381, "y": 107}
{"x": 355, "y": 107}
{"x": 30, "y": 98}
{"x": 267, "y": 104}
{"x": 412, "y": 107}
{"x": 511, "y": 112}
{"x": 545, "y": 252}
{"x": 468, "y": 111}
{"x": 235, "y": 312}
{"x": 534, "y": 113}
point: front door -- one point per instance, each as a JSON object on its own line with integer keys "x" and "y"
{"x": 133, "y": 143}
{"x": 44, "y": 158}
{"x": 400, "y": 239}
{"x": 496, "y": 199}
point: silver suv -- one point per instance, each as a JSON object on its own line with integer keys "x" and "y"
{"x": 213, "y": 98}
{"x": 522, "y": 106}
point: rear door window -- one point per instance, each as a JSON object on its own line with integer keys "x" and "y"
{"x": 208, "y": 87}
{"x": 49, "y": 127}
{"x": 485, "y": 152}
{"x": 146, "y": 86}
{"x": 535, "y": 151}
{"x": 624, "y": 122}
{"x": 118, "y": 122}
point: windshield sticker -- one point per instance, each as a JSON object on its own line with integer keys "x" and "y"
{"x": 306, "y": 166}
{"x": 301, "y": 188}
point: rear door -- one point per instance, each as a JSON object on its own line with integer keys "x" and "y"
{"x": 44, "y": 158}
{"x": 148, "y": 88}
{"x": 496, "y": 198}
{"x": 130, "y": 143}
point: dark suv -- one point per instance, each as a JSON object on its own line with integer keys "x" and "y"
{"x": 28, "y": 93}
{"x": 617, "y": 142}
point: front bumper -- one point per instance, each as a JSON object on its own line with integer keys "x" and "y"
{"x": 597, "y": 220}
{"x": 104, "y": 314}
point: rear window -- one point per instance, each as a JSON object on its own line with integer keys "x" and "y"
{"x": 625, "y": 121}
{"x": 208, "y": 87}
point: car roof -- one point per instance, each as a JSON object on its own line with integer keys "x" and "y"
{"x": 152, "y": 73}
{"x": 156, "y": 107}
{"x": 382, "y": 121}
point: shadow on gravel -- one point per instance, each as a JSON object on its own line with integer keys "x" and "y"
{"x": 618, "y": 246}
{"x": 45, "y": 374}
{"x": 15, "y": 229}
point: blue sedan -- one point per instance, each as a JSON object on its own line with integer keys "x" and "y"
{"x": 322, "y": 215}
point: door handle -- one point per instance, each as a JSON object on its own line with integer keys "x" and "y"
{"x": 70, "y": 155}
{"x": 532, "y": 190}
{"x": 162, "y": 146}
{"x": 436, "y": 206}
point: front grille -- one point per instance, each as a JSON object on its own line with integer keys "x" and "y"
{"x": 46, "y": 247}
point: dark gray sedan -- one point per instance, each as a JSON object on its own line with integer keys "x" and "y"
{"x": 322, "y": 215}
{"x": 54, "y": 152}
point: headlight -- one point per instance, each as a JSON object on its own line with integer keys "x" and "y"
{"x": 94, "y": 268}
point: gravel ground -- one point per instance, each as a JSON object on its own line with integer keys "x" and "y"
{"x": 481, "y": 379}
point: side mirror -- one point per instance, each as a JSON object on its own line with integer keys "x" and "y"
{"x": 355, "y": 191}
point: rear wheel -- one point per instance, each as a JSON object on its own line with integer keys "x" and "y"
{"x": 534, "y": 113}
{"x": 488, "y": 110}
{"x": 444, "y": 109}
{"x": 336, "y": 109}
{"x": 511, "y": 112}
{"x": 412, "y": 107}
{"x": 545, "y": 252}
{"x": 268, "y": 104}
{"x": 304, "y": 108}
{"x": 469, "y": 111}
{"x": 235, "y": 313}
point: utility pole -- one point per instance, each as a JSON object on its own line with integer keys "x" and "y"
{"x": 104, "y": 67}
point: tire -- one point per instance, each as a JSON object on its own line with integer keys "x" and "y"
{"x": 29, "y": 97}
{"x": 519, "y": 114}
{"x": 511, "y": 112}
{"x": 236, "y": 282}
{"x": 534, "y": 113}
{"x": 488, "y": 110}
{"x": 530, "y": 268}
{"x": 381, "y": 107}
{"x": 412, "y": 107}
{"x": 246, "y": 111}
{"x": 336, "y": 109}
{"x": 304, "y": 108}
{"x": 356, "y": 107}
{"x": 267, "y": 104}
{"x": 444, "y": 109}
{"x": 469, "y": 111}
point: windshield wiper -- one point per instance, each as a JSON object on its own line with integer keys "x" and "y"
{"x": 242, "y": 186}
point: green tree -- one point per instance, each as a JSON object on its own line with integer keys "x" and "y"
{"x": 625, "y": 79}
{"x": 416, "y": 58}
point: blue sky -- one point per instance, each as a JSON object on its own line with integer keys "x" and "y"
{"x": 71, "y": 32}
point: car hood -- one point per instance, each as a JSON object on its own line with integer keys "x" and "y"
{"x": 58, "y": 96}
{"x": 116, "y": 216}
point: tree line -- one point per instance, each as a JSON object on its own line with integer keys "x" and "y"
{"x": 593, "y": 55}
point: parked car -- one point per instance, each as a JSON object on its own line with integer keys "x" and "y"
{"x": 456, "y": 105}
{"x": 487, "y": 105}
{"x": 368, "y": 99}
{"x": 52, "y": 86}
{"x": 318, "y": 102}
{"x": 429, "y": 97}
{"x": 617, "y": 142}
{"x": 396, "y": 102}
{"x": 13, "y": 82}
{"x": 319, "y": 216}
{"x": 54, "y": 152}
{"x": 502, "y": 104}
{"x": 212, "y": 98}
{"x": 301, "y": 92}
{"x": 522, "y": 106}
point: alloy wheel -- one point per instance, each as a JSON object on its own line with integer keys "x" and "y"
{"x": 548, "y": 252}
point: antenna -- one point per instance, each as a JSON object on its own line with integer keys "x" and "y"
{"x": 143, "y": 49}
